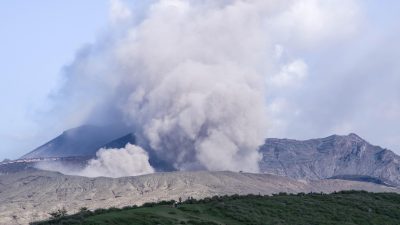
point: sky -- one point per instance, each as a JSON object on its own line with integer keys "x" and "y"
{"x": 339, "y": 77}
{"x": 37, "y": 39}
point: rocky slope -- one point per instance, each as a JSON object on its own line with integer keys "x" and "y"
{"x": 333, "y": 156}
{"x": 28, "y": 196}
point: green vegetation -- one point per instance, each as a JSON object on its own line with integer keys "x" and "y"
{"x": 344, "y": 208}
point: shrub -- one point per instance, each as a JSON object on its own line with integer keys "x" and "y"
{"x": 149, "y": 204}
{"x": 58, "y": 213}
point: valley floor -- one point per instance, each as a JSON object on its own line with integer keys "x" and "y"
{"x": 344, "y": 208}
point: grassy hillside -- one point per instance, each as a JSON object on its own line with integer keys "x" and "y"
{"x": 344, "y": 208}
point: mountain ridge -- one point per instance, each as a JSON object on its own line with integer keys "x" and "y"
{"x": 348, "y": 156}
{"x": 335, "y": 155}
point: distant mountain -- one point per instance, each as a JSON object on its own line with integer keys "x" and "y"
{"x": 82, "y": 141}
{"x": 345, "y": 157}
{"x": 342, "y": 157}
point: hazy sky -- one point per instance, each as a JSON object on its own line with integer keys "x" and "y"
{"x": 349, "y": 83}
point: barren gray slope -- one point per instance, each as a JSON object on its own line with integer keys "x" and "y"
{"x": 30, "y": 196}
{"x": 334, "y": 156}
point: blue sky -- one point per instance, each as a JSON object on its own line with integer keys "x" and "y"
{"x": 360, "y": 82}
{"x": 37, "y": 39}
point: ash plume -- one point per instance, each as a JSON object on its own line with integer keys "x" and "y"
{"x": 189, "y": 77}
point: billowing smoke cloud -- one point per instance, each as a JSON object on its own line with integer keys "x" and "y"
{"x": 129, "y": 161}
{"x": 190, "y": 76}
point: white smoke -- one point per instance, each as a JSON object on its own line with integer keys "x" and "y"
{"x": 190, "y": 76}
{"x": 129, "y": 161}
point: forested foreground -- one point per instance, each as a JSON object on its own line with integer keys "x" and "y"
{"x": 344, "y": 208}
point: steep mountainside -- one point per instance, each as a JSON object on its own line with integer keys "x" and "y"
{"x": 333, "y": 156}
{"x": 29, "y": 196}
{"x": 82, "y": 141}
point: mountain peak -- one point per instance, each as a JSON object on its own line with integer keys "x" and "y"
{"x": 84, "y": 140}
{"x": 355, "y": 137}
